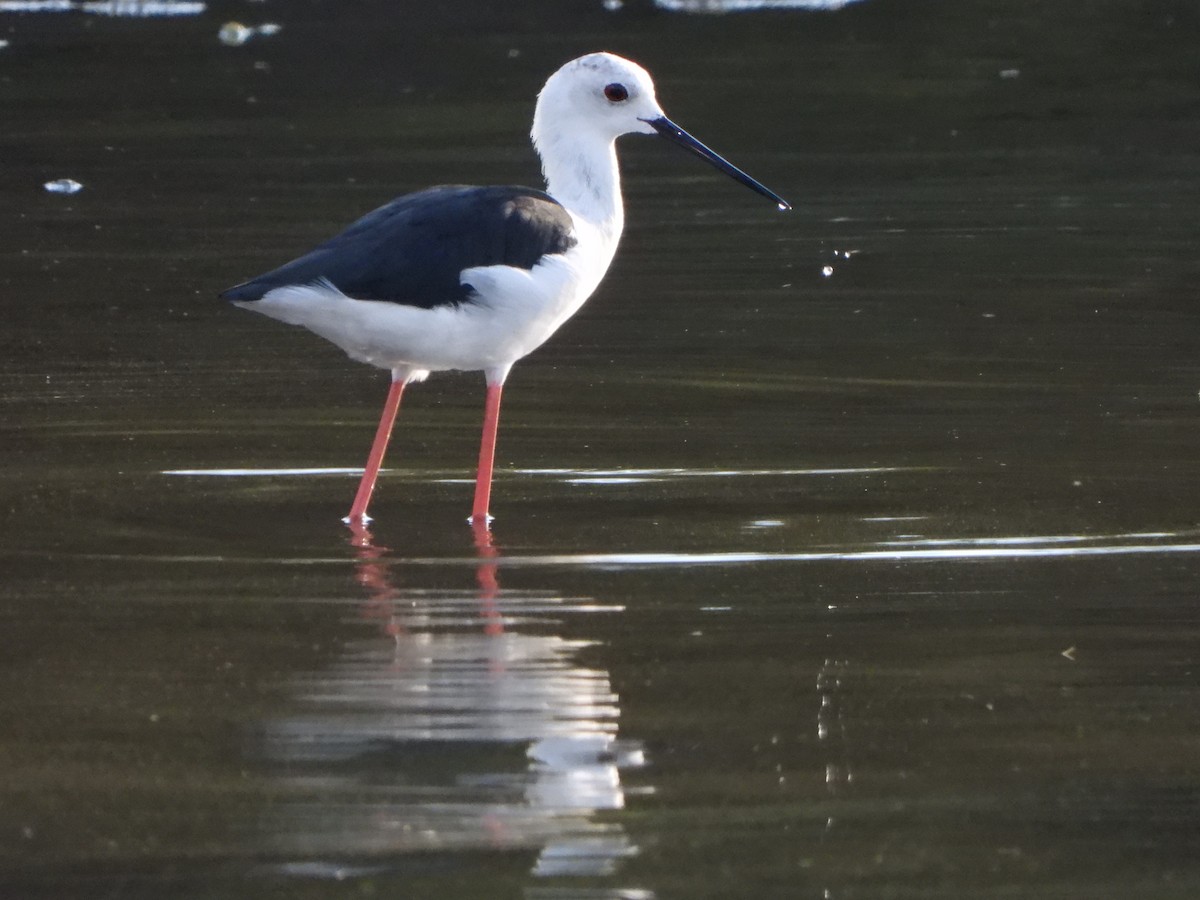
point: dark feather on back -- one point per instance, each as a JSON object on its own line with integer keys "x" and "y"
{"x": 412, "y": 250}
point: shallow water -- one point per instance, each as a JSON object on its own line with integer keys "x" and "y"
{"x": 871, "y": 582}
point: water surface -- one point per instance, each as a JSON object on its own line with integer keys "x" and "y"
{"x": 848, "y": 553}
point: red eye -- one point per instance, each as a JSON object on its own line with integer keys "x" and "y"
{"x": 617, "y": 93}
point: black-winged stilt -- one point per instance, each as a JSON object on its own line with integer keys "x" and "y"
{"x": 475, "y": 278}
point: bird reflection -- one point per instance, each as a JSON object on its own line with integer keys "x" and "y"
{"x": 485, "y": 576}
{"x": 453, "y": 725}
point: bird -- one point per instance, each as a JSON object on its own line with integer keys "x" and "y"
{"x": 459, "y": 277}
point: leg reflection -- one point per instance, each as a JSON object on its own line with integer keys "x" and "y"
{"x": 486, "y": 577}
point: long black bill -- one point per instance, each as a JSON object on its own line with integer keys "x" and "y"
{"x": 677, "y": 135}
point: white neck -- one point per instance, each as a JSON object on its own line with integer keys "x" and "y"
{"x": 582, "y": 175}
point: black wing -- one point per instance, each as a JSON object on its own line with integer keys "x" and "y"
{"x": 412, "y": 250}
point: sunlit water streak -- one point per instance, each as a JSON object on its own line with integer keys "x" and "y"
{"x": 1022, "y": 539}
{"x": 140, "y": 9}
{"x": 964, "y": 549}
{"x": 566, "y": 476}
{"x": 718, "y": 7}
{"x": 713, "y": 473}
{"x": 632, "y": 560}
{"x": 302, "y": 472}
{"x": 645, "y": 476}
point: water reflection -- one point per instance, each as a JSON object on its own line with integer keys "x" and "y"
{"x": 831, "y": 725}
{"x": 458, "y": 721}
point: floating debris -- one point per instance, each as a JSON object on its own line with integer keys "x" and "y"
{"x": 1010, "y": 74}
{"x": 234, "y": 34}
{"x": 63, "y": 186}
{"x": 827, "y": 271}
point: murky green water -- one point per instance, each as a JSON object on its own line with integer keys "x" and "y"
{"x": 874, "y": 583}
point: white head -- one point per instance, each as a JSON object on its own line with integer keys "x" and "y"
{"x": 599, "y": 95}
{"x": 590, "y": 102}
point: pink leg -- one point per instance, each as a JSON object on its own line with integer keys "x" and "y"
{"x": 487, "y": 454}
{"x": 358, "y": 511}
